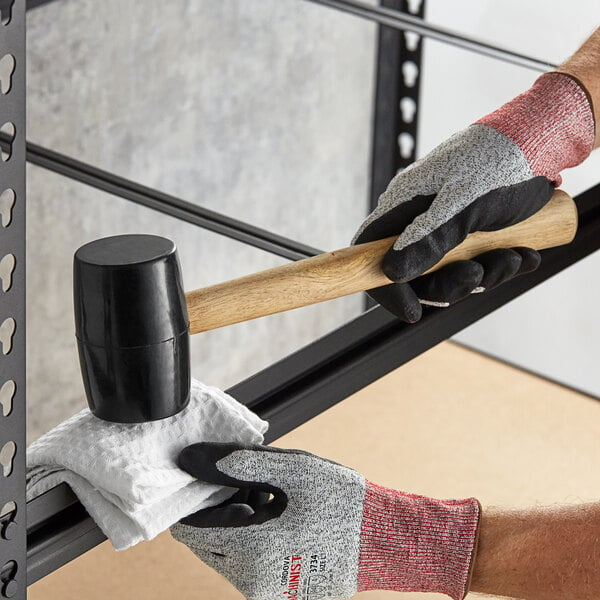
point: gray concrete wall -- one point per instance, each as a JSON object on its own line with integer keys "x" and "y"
{"x": 259, "y": 109}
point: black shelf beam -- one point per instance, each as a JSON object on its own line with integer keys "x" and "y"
{"x": 308, "y": 382}
{"x": 166, "y": 203}
{"x": 396, "y": 20}
{"x": 402, "y": 21}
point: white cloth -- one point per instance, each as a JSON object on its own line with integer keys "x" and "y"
{"x": 126, "y": 475}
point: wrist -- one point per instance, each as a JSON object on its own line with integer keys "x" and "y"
{"x": 552, "y": 123}
{"x": 583, "y": 67}
{"x": 412, "y": 543}
{"x": 589, "y": 82}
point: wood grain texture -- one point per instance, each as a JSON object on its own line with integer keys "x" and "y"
{"x": 358, "y": 268}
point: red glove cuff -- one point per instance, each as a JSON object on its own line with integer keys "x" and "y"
{"x": 412, "y": 543}
{"x": 552, "y": 123}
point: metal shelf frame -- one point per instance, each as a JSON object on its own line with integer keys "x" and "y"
{"x": 293, "y": 390}
{"x": 13, "y": 524}
{"x": 308, "y": 382}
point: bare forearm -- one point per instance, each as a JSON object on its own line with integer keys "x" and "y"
{"x": 540, "y": 554}
{"x": 584, "y": 65}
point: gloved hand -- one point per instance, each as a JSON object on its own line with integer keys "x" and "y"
{"x": 493, "y": 174}
{"x": 327, "y": 532}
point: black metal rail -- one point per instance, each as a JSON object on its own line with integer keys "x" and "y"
{"x": 392, "y": 18}
{"x": 398, "y": 20}
{"x": 167, "y": 204}
{"x": 310, "y": 381}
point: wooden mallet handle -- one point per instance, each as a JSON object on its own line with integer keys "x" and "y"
{"x": 358, "y": 268}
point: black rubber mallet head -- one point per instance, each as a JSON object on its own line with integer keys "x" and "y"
{"x": 131, "y": 313}
{"x": 132, "y": 328}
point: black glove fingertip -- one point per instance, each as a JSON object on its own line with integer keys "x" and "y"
{"x": 531, "y": 259}
{"x": 200, "y": 460}
{"x": 450, "y": 284}
{"x": 225, "y": 515}
{"x": 400, "y": 300}
{"x": 402, "y": 266}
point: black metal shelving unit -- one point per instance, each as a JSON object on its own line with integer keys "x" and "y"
{"x": 54, "y": 528}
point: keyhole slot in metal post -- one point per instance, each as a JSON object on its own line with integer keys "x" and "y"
{"x": 7, "y": 137}
{"x": 7, "y": 68}
{"x": 410, "y": 72}
{"x": 7, "y": 393}
{"x": 7, "y": 268}
{"x": 7, "y": 455}
{"x": 411, "y": 40}
{"x": 7, "y": 202}
{"x": 8, "y": 525}
{"x": 8, "y": 510}
{"x": 6, "y": 11}
{"x": 414, "y": 6}
{"x": 406, "y": 143}
{"x": 9, "y": 583}
{"x": 408, "y": 108}
{"x": 7, "y": 330}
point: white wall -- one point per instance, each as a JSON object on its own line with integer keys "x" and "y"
{"x": 553, "y": 329}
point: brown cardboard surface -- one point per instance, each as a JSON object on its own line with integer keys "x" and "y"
{"x": 450, "y": 424}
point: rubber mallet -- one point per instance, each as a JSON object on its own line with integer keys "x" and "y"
{"x": 133, "y": 319}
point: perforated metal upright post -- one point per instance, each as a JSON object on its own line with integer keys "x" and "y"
{"x": 396, "y": 108}
{"x": 13, "y": 525}
{"x": 396, "y": 99}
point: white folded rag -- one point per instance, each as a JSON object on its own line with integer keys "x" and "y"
{"x": 126, "y": 475}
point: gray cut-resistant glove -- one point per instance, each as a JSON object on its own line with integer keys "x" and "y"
{"x": 492, "y": 174}
{"x": 326, "y": 532}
